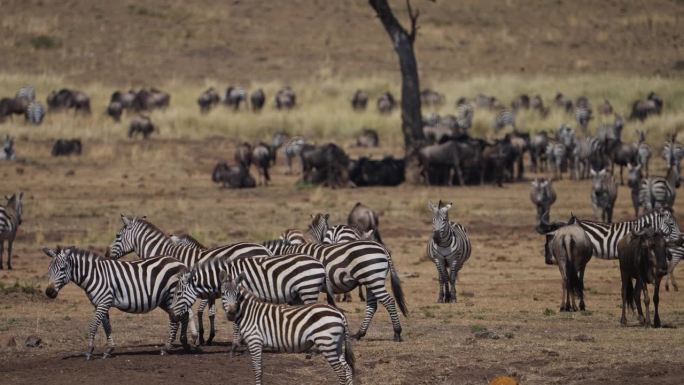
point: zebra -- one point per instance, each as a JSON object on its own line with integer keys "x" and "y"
{"x": 604, "y": 192}
{"x": 655, "y": 192}
{"x": 35, "y": 112}
{"x": 673, "y": 153}
{"x": 27, "y": 93}
{"x": 293, "y": 148}
{"x": 605, "y": 236}
{"x": 586, "y": 153}
{"x": 677, "y": 253}
{"x": 7, "y": 152}
{"x": 288, "y": 329}
{"x": 504, "y": 118}
{"x": 187, "y": 240}
{"x": 556, "y": 154}
{"x": 643, "y": 152}
{"x": 10, "y": 219}
{"x": 464, "y": 116}
{"x": 132, "y": 287}
{"x": 357, "y": 263}
{"x": 346, "y": 233}
{"x": 449, "y": 248}
{"x": 583, "y": 112}
{"x": 543, "y": 196}
{"x": 138, "y": 235}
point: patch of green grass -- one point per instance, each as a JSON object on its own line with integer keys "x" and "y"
{"x": 44, "y": 42}
{"x": 474, "y": 328}
{"x": 29, "y": 288}
{"x": 549, "y": 312}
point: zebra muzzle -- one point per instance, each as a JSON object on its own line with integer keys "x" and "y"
{"x": 51, "y": 292}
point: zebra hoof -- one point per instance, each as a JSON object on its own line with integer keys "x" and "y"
{"x": 358, "y": 336}
{"x": 88, "y": 356}
{"x": 106, "y": 355}
{"x": 397, "y": 337}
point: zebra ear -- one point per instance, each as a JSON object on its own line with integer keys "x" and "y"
{"x": 125, "y": 220}
{"x": 592, "y": 172}
{"x": 240, "y": 278}
{"x": 447, "y": 206}
{"x": 368, "y": 234}
{"x": 49, "y": 252}
{"x": 21, "y": 195}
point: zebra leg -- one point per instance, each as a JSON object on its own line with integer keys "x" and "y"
{"x": 581, "y": 279}
{"x": 335, "y": 359}
{"x": 107, "y": 326}
{"x": 9, "y": 253}
{"x": 256, "y": 346}
{"x": 442, "y": 279}
{"x": 361, "y": 296}
{"x": 452, "y": 278}
{"x": 101, "y": 311}
{"x": 388, "y": 302}
{"x": 371, "y": 307}
{"x": 200, "y": 316}
{"x": 212, "y": 316}
{"x": 173, "y": 331}
{"x": 236, "y": 339}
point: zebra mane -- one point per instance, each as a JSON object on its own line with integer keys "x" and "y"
{"x": 81, "y": 253}
{"x": 150, "y": 225}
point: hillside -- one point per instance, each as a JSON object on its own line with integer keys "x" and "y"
{"x": 153, "y": 40}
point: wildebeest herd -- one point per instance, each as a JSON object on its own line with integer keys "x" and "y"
{"x": 256, "y": 280}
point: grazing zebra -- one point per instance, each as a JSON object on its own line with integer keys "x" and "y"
{"x": 673, "y": 153}
{"x": 10, "y": 219}
{"x": 656, "y": 192}
{"x": 504, "y": 118}
{"x": 35, "y": 112}
{"x": 132, "y": 287}
{"x": 7, "y": 152}
{"x": 604, "y": 191}
{"x": 449, "y": 248}
{"x": 643, "y": 152}
{"x": 149, "y": 241}
{"x": 605, "y": 236}
{"x": 288, "y": 329}
{"x": 357, "y": 263}
{"x": 27, "y": 93}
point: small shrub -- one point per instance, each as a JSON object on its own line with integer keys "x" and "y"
{"x": 548, "y": 312}
{"x": 474, "y": 328}
{"x": 44, "y": 42}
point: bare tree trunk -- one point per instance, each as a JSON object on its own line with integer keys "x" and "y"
{"x": 402, "y": 40}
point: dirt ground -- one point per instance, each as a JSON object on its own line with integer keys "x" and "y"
{"x": 504, "y": 288}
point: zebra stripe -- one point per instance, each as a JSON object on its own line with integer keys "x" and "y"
{"x": 132, "y": 287}
{"x": 293, "y": 237}
{"x": 677, "y": 253}
{"x": 605, "y": 236}
{"x": 10, "y": 219}
{"x": 449, "y": 248}
{"x": 583, "y": 116}
{"x": 27, "y": 93}
{"x": 352, "y": 264}
{"x": 288, "y": 329}
{"x": 673, "y": 153}
{"x": 464, "y": 116}
{"x": 656, "y": 192}
{"x": 504, "y": 118}
{"x": 345, "y": 233}
{"x": 35, "y": 112}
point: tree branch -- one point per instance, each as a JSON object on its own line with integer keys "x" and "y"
{"x": 414, "y": 21}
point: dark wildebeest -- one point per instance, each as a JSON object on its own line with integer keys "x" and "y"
{"x": 604, "y": 191}
{"x": 643, "y": 257}
{"x": 431, "y": 98}
{"x": 641, "y": 109}
{"x": 261, "y": 157}
{"x": 634, "y": 182}
{"x": 328, "y": 164}
{"x": 360, "y": 100}
{"x": 257, "y": 98}
{"x": 386, "y": 172}
{"x": 65, "y": 147}
{"x": 147, "y": 100}
{"x": 141, "y": 125}
{"x": 543, "y": 196}
{"x": 563, "y": 102}
{"x": 7, "y": 152}
{"x": 243, "y": 154}
{"x": 620, "y": 153}
{"x": 521, "y": 102}
{"x": 118, "y": 102}
{"x": 443, "y": 155}
{"x": 368, "y": 138}
{"x": 537, "y": 104}
{"x": 364, "y": 220}
{"x": 12, "y": 106}
{"x": 572, "y": 250}
{"x": 234, "y": 97}
{"x": 237, "y": 176}
{"x": 606, "y": 108}
{"x": 386, "y": 103}
{"x": 66, "y": 98}
{"x": 285, "y": 98}
{"x": 115, "y": 109}
{"x": 538, "y": 144}
{"x": 208, "y": 100}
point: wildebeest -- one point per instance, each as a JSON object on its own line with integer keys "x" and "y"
{"x": 603, "y": 194}
{"x": 208, "y": 99}
{"x": 538, "y": 144}
{"x": 115, "y": 109}
{"x": 65, "y": 147}
{"x": 572, "y": 250}
{"x": 243, "y": 154}
{"x": 634, "y": 176}
{"x": 7, "y": 152}
{"x": 257, "y": 99}
{"x": 642, "y": 109}
{"x": 385, "y": 172}
{"x": 327, "y": 164}
{"x": 563, "y": 102}
{"x": 643, "y": 257}
{"x": 141, "y": 125}
{"x": 489, "y": 102}
{"x": 606, "y": 108}
{"x": 285, "y": 98}
{"x": 261, "y": 156}
{"x": 150, "y": 99}
{"x": 431, "y": 98}
{"x": 522, "y": 101}
{"x": 236, "y": 176}
{"x": 119, "y": 102}
{"x": 66, "y": 99}
{"x": 543, "y": 196}
{"x": 360, "y": 100}
{"x": 280, "y": 138}
{"x": 234, "y": 97}
{"x": 368, "y": 138}
{"x": 12, "y": 106}
{"x": 385, "y": 103}
{"x": 364, "y": 219}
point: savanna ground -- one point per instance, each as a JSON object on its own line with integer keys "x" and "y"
{"x": 619, "y": 50}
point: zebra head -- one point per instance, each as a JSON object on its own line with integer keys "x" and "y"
{"x": 231, "y": 293}
{"x": 600, "y": 181}
{"x": 319, "y": 226}
{"x": 59, "y": 272}
{"x": 184, "y": 295}
{"x": 125, "y": 241}
{"x": 440, "y": 218}
{"x": 541, "y": 190}
{"x": 668, "y": 224}
{"x": 633, "y": 175}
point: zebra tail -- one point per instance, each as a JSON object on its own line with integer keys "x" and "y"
{"x": 574, "y": 285}
{"x": 396, "y": 287}
{"x": 329, "y": 295}
{"x": 348, "y": 351}
{"x": 629, "y": 294}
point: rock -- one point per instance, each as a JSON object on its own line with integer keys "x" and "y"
{"x": 11, "y": 342}
{"x": 583, "y": 338}
{"x": 487, "y": 334}
{"x": 32, "y": 342}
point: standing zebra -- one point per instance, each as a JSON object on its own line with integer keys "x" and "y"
{"x": 504, "y": 118}
{"x": 677, "y": 253}
{"x": 656, "y": 191}
{"x": 288, "y": 329}
{"x": 583, "y": 112}
{"x": 35, "y": 112}
{"x": 132, "y": 287}
{"x": 543, "y": 196}
{"x": 449, "y": 248}
{"x": 293, "y": 148}
{"x": 556, "y": 154}
{"x": 10, "y": 219}
{"x": 149, "y": 241}
{"x": 605, "y": 236}
{"x": 673, "y": 153}
{"x": 643, "y": 152}
{"x": 604, "y": 191}
{"x": 352, "y": 264}
{"x": 7, "y": 152}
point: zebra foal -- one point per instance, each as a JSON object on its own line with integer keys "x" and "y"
{"x": 449, "y": 248}
{"x": 10, "y": 219}
{"x": 293, "y": 329}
